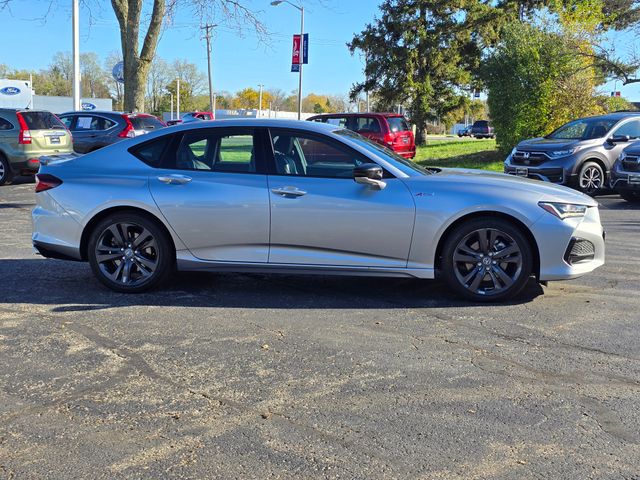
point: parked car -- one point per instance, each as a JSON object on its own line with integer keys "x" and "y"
{"x": 25, "y": 136}
{"x": 625, "y": 174}
{"x": 173, "y": 121}
{"x": 195, "y": 116}
{"x": 465, "y": 132}
{"x": 482, "y": 129}
{"x": 389, "y": 129}
{"x": 283, "y": 196}
{"x": 96, "y": 129}
{"x": 579, "y": 154}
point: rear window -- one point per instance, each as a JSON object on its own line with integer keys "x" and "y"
{"x": 42, "y": 121}
{"x": 397, "y": 124}
{"x": 145, "y": 123}
{"x": 481, "y": 124}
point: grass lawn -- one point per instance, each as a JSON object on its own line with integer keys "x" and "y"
{"x": 471, "y": 153}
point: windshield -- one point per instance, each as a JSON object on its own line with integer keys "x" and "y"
{"x": 378, "y": 149}
{"x": 583, "y": 129}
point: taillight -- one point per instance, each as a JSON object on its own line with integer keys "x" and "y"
{"x": 24, "y": 136}
{"x": 389, "y": 138}
{"x": 44, "y": 182}
{"x": 128, "y": 131}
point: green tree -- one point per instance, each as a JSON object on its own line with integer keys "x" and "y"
{"x": 420, "y": 53}
{"x": 535, "y": 83}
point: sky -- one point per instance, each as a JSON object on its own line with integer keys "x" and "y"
{"x": 239, "y": 59}
{"x": 40, "y": 28}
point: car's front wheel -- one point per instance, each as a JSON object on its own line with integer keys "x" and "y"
{"x": 591, "y": 178}
{"x": 487, "y": 259}
{"x": 130, "y": 253}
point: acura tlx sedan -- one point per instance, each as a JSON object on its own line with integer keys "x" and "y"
{"x": 304, "y": 197}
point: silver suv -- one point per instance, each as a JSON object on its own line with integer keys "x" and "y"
{"x": 579, "y": 154}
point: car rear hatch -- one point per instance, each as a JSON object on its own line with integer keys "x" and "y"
{"x": 401, "y": 137}
{"x": 145, "y": 123}
{"x": 42, "y": 132}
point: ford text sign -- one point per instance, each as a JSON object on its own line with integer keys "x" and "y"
{"x": 88, "y": 106}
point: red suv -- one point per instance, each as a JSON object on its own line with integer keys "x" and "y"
{"x": 389, "y": 129}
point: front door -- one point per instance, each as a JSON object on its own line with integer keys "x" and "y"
{"x": 212, "y": 189}
{"x": 320, "y": 216}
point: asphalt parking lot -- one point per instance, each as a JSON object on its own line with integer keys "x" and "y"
{"x": 255, "y": 376}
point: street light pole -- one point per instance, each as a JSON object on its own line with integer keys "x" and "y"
{"x": 300, "y": 58}
{"x": 260, "y": 102}
{"x": 275, "y": 3}
{"x": 76, "y": 54}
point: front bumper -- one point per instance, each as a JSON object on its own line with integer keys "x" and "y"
{"x": 559, "y": 171}
{"x": 622, "y": 180}
{"x": 562, "y": 245}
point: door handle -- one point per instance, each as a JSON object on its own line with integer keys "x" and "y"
{"x": 174, "y": 179}
{"x": 288, "y": 191}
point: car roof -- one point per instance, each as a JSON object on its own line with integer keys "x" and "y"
{"x": 106, "y": 112}
{"x": 357, "y": 114}
{"x": 614, "y": 116}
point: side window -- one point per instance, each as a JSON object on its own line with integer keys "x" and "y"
{"x": 217, "y": 152}
{"x": 85, "y": 123}
{"x": 5, "y": 124}
{"x": 151, "y": 152}
{"x": 368, "y": 125}
{"x": 312, "y": 157}
{"x": 631, "y": 128}
{"x": 67, "y": 121}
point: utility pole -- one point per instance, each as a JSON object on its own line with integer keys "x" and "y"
{"x": 178, "y": 99}
{"x": 76, "y": 54}
{"x": 212, "y": 101}
{"x": 260, "y": 101}
{"x": 171, "y": 105}
{"x": 300, "y": 57}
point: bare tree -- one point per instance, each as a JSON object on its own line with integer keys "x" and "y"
{"x": 137, "y": 59}
{"x": 160, "y": 75}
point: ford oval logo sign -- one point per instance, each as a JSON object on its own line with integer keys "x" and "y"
{"x": 10, "y": 91}
{"x": 88, "y": 106}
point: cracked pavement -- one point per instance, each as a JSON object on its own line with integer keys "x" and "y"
{"x": 256, "y": 376}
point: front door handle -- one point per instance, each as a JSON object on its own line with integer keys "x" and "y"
{"x": 288, "y": 191}
{"x": 174, "y": 179}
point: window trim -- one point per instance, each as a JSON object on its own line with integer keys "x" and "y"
{"x": 258, "y": 134}
{"x": 271, "y": 163}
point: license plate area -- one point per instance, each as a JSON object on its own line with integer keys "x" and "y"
{"x": 522, "y": 172}
{"x": 54, "y": 140}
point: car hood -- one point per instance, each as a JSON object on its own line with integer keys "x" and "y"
{"x": 486, "y": 183}
{"x": 542, "y": 144}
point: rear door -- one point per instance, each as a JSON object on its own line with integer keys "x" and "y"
{"x": 212, "y": 189}
{"x": 48, "y": 133}
{"x": 369, "y": 127}
{"x": 90, "y": 132}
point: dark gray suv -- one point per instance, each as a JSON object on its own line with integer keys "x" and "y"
{"x": 94, "y": 129}
{"x": 579, "y": 154}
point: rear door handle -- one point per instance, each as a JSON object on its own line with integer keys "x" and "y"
{"x": 174, "y": 179}
{"x": 288, "y": 191}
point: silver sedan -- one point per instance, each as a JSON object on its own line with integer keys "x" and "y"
{"x": 303, "y": 197}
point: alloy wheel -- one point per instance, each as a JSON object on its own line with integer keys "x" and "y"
{"x": 127, "y": 254}
{"x": 487, "y": 261}
{"x": 591, "y": 179}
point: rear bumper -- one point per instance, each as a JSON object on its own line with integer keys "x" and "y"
{"x": 407, "y": 153}
{"x": 55, "y": 233}
{"x": 27, "y": 166}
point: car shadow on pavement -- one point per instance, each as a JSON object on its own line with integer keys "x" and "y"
{"x": 70, "y": 286}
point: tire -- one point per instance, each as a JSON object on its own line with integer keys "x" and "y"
{"x": 633, "y": 197}
{"x": 6, "y": 175}
{"x": 116, "y": 261}
{"x": 591, "y": 178}
{"x": 466, "y": 266}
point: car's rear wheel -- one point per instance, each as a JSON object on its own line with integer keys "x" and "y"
{"x": 633, "y": 197}
{"x": 130, "y": 253}
{"x": 591, "y": 178}
{"x": 5, "y": 171}
{"x": 487, "y": 259}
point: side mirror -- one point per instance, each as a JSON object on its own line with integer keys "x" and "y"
{"x": 369, "y": 174}
{"x": 618, "y": 139}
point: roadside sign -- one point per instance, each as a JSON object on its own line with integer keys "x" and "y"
{"x": 118, "y": 72}
{"x": 615, "y": 94}
{"x": 296, "y": 57}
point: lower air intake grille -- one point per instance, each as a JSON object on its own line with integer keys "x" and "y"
{"x": 579, "y": 250}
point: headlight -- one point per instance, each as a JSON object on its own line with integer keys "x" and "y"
{"x": 564, "y": 210}
{"x": 515, "y": 149}
{"x": 562, "y": 153}
{"x": 622, "y": 156}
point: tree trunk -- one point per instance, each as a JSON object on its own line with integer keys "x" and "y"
{"x": 137, "y": 62}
